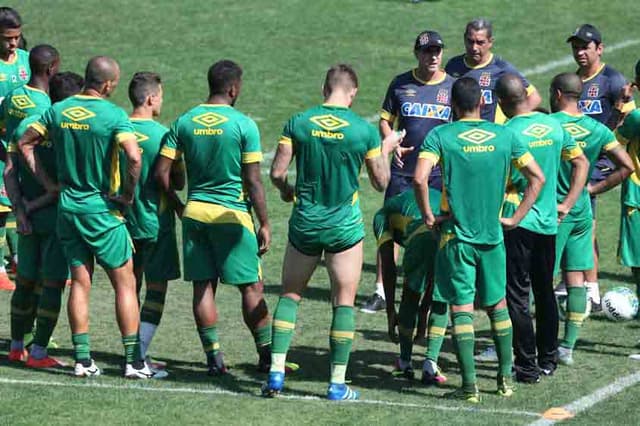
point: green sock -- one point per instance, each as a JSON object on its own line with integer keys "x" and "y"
{"x": 343, "y": 328}
{"x": 464, "y": 338}
{"x": 35, "y": 302}
{"x": 48, "y": 312}
{"x": 407, "y": 317}
{"x": 284, "y": 324}
{"x": 153, "y": 306}
{"x": 262, "y": 337}
{"x": 502, "y": 331}
{"x": 209, "y": 340}
{"x": 131, "y": 348}
{"x": 438, "y": 319}
{"x": 20, "y": 310}
{"x": 576, "y": 309}
{"x": 81, "y": 350}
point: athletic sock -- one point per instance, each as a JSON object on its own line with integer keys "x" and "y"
{"x": 35, "y": 303}
{"x": 284, "y": 324}
{"x": 210, "y": 344}
{"x": 150, "y": 316}
{"x": 37, "y": 351}
{"x": 131, "y": 345}
{"x": 81, "y": 350}
{"x": 576, "y": 309}
{"x": 147, "y": 331}
{"x": 20, "y": 310}
{"x": 464, "y": 338}
{"x": 406, "y": 325}
{"x": 343, "y": 328}
{"x": 48, "y": 312}
{"x": 502, "y": 332}
{"x": 438, "y": 319}
{"x": 262, "y": 338}
{"x": 380, "y": 290}
{"x": 593, "y": 290}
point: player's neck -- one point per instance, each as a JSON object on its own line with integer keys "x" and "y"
{"x": 338, "y": 98}
{"x": 88, "y": 91}
{"x": 428, "y": 76}
{"x": 521, "y": 109}
{"x": 219, "y": 100}
{"x": 39, "y": 82}
{"x": 589, "y": 70}
{"x": 470, "y": 115}
{"x": 142, "y": 112}
{"x": 483, "y": 60}
{"x": 7, "y": 56}
{"x": 571, "y": 109}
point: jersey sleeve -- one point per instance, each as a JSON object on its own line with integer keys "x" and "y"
{"x": 123, "y": 129}
{"x": 630, "y": 129}
{"x": 381, "y": 227}
{"x": 286, "y": 138}
{"x": 171, "y": 144}
{"x": 389, "y": 110}
{"x": 374, "y": 144}
{"x": 431, "y": 148}
{"x": 570, "y": 148}
{"x": 42, "y": 124}
{"x": 12, "y": 148}
{"x": 608, "y": 138}
{"x": 251, "y": 150}
{"x": 520, "y": 155}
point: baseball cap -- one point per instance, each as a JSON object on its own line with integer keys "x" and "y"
{"x": 428, "y": 39}
{"x": 586, "y": 33}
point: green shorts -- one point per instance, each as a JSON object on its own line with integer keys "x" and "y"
{"x": 629, "y": 241}
{"x": 100, "y": 235}
{"x": 159, "y": 259}
{"x": 41, "y": 256}
{"x": 312, "y": 242}
{"x": 574, "y": 246}
{"x": 224, "y": 251}
{"x": 463, "y": 268}
{"x": 419, "y": 260}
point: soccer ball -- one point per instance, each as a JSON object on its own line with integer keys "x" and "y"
{"x": 620, "y": 304}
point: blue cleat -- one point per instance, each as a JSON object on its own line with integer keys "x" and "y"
{"x": 341, "y": 392}
{"x": 274, "y": 385}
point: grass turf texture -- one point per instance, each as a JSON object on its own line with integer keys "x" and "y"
{"x": 285, "y": 46}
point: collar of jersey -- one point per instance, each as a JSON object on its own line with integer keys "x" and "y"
{"x": 140, "y": 119}
{"x": 86, "y": 97}
{"x": 572, "y": 115}
{"x": 595, "y": 73}
{"x": 35, "y": 89}
{"x": 216, "y": 105}
{"x": 482, "y": 65}
{"x": 335, "y": 106}
{"x": 428, "y": 83}
{"x": 472, "y": 120}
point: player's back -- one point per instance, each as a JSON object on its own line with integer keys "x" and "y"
{"x": 15, "y": 73}
{"x": 20, "y": 103}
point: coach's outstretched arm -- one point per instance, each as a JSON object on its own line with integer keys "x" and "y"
{"x": 378, "y": 165}
{"x": 134, "y": 165}
{"x": 253, "y": 184}
{"x": 624, "y": 167}
{"x": 26, "y": 145}
{"x": 535, "y": 181}
{"x": 162, "y": 174}
{"x": 579, "y": 177}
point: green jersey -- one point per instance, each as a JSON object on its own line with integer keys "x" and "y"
{"x": 43, "y": 220}
{"x": 476, "y": 158}
{"x": 86, "y": 132}
{"x": 629, "y": 135}
{"x": 15, "y": 73}
{"x": 215, "y": 140}
{"x": 330, "y": 144}
{"x": 549, "y": 144}
{"x": 594, "y": 138}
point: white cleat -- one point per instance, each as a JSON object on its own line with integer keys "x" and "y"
{"x": 80, "y": 370}
{"x": 565, "y": 356}
{"x": 130, "y": 372}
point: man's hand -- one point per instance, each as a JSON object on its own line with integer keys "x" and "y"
{"x": 264, "y": 239}
{"x": 392, "y": 324}
{"x": 393, "y": 140}
{"x": 400, "y": 152}
{"x": 287, "y": 193}
{"x": 122, "y": 199}
{"x": 563, "y": 211}
{"x": 429, "y": 220}
{"x": 508, "y": 223}
{"x": 24, "y": 224}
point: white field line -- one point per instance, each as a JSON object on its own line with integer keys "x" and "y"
{"x": 218, "y": 391}
{"x": 568, "y": 60}
{"x": 599, "y": 395}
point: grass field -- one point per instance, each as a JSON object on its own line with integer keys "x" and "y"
{"x": 285, "y": 46}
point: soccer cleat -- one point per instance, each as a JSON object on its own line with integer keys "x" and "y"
{"x": 373, "y": 304}
{"x": 80, "y": 370}
{"x": 17, "y": 355}
{"x": 504, "y": 388}
{"x": 635, "y": 357}
{"x": 547, "y": 371}
{"x": 155, "y": 364}
{"x": 291, "y": 367}
{"x": 216, "y": 365}
{"x": 5, "y": 283}
{"x": 274, "y": 385}
{"x": 488, "y": 355}
{"x": 46, "y": 362}
{"x": 565, "y": 356}
{"x": 341, "y": 392}
{"x": 472, "y": 397}
{"x": 403, "y": 369}
{"x": 143, "y": 372}
{"x": 431, "y": 374}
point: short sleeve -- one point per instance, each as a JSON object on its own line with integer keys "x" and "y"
{"x": 251, "y": 150}
{"x": 44, "y": 123}
{"x": 123, "y": 129}
{"x": 630, "y": 129}
{"x": 608, "y": 139}
{"x": 171, "y": 146}
{"x": 510, "y": 69}
{"x": 389, "y": 110}
{"x": 431, "y": 148}
{"x": 570, "y": 148}
{"x": 287, "y": 133}
{"x": 373, "y": 144}
{"x": 520, "y": 156}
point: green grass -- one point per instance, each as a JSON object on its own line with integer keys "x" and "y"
{"x": 285, "y": 46}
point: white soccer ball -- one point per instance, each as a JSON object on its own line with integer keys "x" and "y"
{"x": 620, "y": 304}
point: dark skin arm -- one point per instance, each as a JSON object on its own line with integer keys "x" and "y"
{"x": 253, "y": 183}
{"x": 134, "y": 165}
{"x": 15, "y": 195}
{"x": 162, "y": 175}
{"x": 26, "y": 145}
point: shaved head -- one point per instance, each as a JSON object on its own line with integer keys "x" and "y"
{"x": 100, "y": 70}
{"x": 43, "y": 58}
{"x": 511, "y": 90}
{"x": 568, "y": 83}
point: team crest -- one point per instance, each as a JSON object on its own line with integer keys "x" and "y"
{"x": 329, "y": 122}
{"x": 424, "y": 39}
{"x": 22, "y": 72}
{"x": 485, "y": 79}
{"x": 442, "y": 96}
{"x": 593, "y": 91}
{"x": 477, "y": 136}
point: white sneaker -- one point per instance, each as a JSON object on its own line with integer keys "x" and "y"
{"x": 593, "y": 294}
{"x": 80, "y": 370}
{"x": 130, "y": 372}
{"x": 561, "y": 289}
{"x": 488, "y": 355}
{"x": 565, "y": 356}
{"x": 635, "y": 357}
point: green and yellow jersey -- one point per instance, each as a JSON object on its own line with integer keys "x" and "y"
{"x": 330, "y": 144}
{"x": 476, "y": 158}
{"x": 550, "y": 146}
{"x": 629, "y": 135}
{"x": 594, "y": 138}
{"x": 86, "y": 132}
{"x": 14, "y": 73}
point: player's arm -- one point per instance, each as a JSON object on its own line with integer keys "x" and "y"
{"x": 280, "y": 169}
{"x": 426, "y": 163}
{"x": 10, "y": 176}
{"x": 377, "y": 160}
{"x": 26, "y": 145}
{"x": 253, "y": 183}
{"x": 579, "y": 176}
{"x": 178, "y": 175}
{"x": 162, "y": 174}
{"x": 624, "y": 167}
{"x": 129, "y": 145}
{"x": 535, "y": 180}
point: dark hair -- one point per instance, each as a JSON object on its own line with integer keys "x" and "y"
{"x": 222, "y": 75}
{"x": 480, "y": 24}
{"x": 9, "y": 18}
{"x": 340, "y": 75}
{"x": 22, "y": 43}
{"x": 142, "y": 85}
{"x": 569, "y": 84}
{"x": 465, "y": 94}
{"x": 64, "y": 84}
{"x": 42, "y": 57}
{"x": 638, "y": 67}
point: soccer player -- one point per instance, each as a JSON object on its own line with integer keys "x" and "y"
{"x": 602, "y": 99}
{"x": 479, "y": 63}
{"x": 87, "y": 132}
{"x": 330, "y": 143}
{"x": 222, "y": 155}
{"x": 150, "y": 219}
{"x": 39, "y": 245}
{"x": 14, "y": 72}
{"x": 530, "y": 246}
{"x": 417, "y": 101}
{"x": 20, "y": 103}
{"x": 573, "y": 242}
{"x": 476, "y": 157}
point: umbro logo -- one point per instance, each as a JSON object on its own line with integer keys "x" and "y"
{"x": 329, "y": 122}
{"x": 22, "y": 102}
{"x": 576, "y": 131}
{"x": 210, "y": 119}
{"x": 537, "y": 130}
{"x": 477, "y": 136}
{"x": 78, "y": 113}
{"x": 141, "y": 137}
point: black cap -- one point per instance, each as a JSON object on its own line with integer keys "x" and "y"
{"x": 428, "y": 39}
{"x": 586, "y": 33}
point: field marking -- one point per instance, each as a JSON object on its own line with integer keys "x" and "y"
{"x": 568, "y": 60}
{"x": 218, "y": 391}
{"x": 599, "y": 395}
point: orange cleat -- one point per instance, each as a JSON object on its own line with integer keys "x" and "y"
{"x": 18, "y": 355}
{"x": 46, "y": 362}
{"x": 5, "y": 283}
